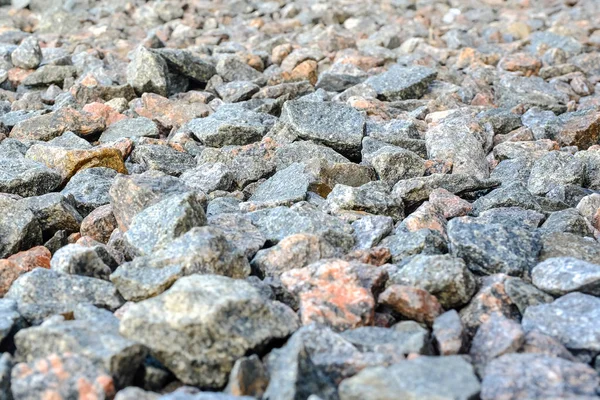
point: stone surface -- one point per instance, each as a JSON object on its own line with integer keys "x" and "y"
{"x": 537, "y": 376}
{"x": 570, "y": 319}
{"x": 448, "y": 377}
{"x": 412, "y": 303}
{"x": 399, "y": 83}
{"x": 195, "y": 311}
{"x": 562, "y": 275}
{"x": 42, "y": 293}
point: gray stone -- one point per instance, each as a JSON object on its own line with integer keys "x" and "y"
{"x": 393, "y": 164}
{"x": 203, "y": 323}
{"x": 236, "y": 91}
{"x": 340, "y": 77}
{"x": 399, "y": 83}
{"x": 560, "y": 244}
{"x": 147, "y": 72}
{"x": 312, "y": 362}
{"x": 416, "y": 190}
{"x": 161, "y": 223}
{"x": 19, "y": 229}
{"x": 402, "y": 339}
{"x": 208, "y": 177}
{"x": 562, "y": 275}
{"x": 162, "y": 158}
{"x": 280, "y": 222}
{"x": 571, "y": 319}
{"x": 239, "y": 230}
{"x": 129, "y": 128}
{"x": 569, "y": 221}
{"x": 448, "y": 333}
{"x": 28, "y": 55}
{"x": 426, "y": 378}
{"x": 10, "y": 320}
{"x": 512, "y": 90}
{"x": 130, "y": 194}
{"x": 591, "y": 159}
{"x": 232, "y": 68}
{"x": 305, "y": 150}
{"x": 287, "y": 186}
{"x": 495, "y": 337}
{"x": 335, "y": 125}
{"x": 186, "y": 64}
{"x": 494, "y": 248}
{"x": 120, "y": 356}
{"x": 42, "y": 293}
{"x": 534, "y": 376}
{"x": 458, "y": 139}
{"x": 203, "y": 250}
{"x": 524, "y": 295}
{"x": 545, "y": 39}
{"x": 511, "y": 216}
{"x": 444, "y": 276}
{"x": 404, "y": 244}
{"x": 19, "y": 175}
{"x": 512, "y": 170}
{"x": 47, "y": 75}
{"x": 553, "y": 169}
{"x": 294, "y": 251}
{"x": 370, "y": 230}
{"x": 372, "y": 197}
{"x": 231, "y": 125}
{"x": 81, "y": 260}
{"x": 53, "y": 213}
{"x": 509, "y": 195}
{"x": 88, "y": 189}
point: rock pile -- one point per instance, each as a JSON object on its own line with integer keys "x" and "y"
{"x": 299, "y": 200}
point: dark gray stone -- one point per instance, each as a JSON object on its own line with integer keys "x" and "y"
{"x": 372, "y": 197}
{"x": 494, "y": 248}
{"x": 53, "y": 213}
{"x": 399, "y": 83}
{"x": 509, "y": 195}
{"x": 404, "y": 244}
{"x": 147, "y": 72}
{"x": 81, "y": 260}
{"x": 232, "y": 68}
{"x": 553, "y": 169}
{"x": 370, "y": 230}
{"x": 393, "y": 164}
{"x": 88, "y": 189}
{"x": 512, "y": 90}
{"x": 19, "y": 229}
{"x": 185, "y": 63}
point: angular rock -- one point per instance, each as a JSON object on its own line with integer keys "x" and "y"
{"x": 535, "y": 376}
{"x": 231, "y": 125}
{"x": 208, "y": 177}
{"x": 129, "y": 128}
{"x": 161, "y": 223}
{"x": 88, "y": 189}
{"x": 445, "y": 277}
{"x": 286, "y": 187}
{"x": 400, "y": 83}
{"x": 19, "y": 229}
{"x": 495, "y": 337}
{"x": 203, "y": 250}
{"x": 28, "y": 55}
{"x": 81, "y": 260}
{"x": 412, "y": 303}
{"x": 202, "y": 324}
{"x": 531, "y": 92}
{"x": 163, "y": 158}
{"x": 373, "y": 198}
{"x": 370, "y": 230}
{"x": 553, "y": 169}
{"x": 147, "y": 72}
{"x": 405, "y": 244}
{"x": 42, "y": 293}
{"x": 448, "y": 377}
{"x": 99, "y": 224}
{"x": 570, "y": 319}
{"x": 494, "y": 248}
{"x": 335, "y": 293}
{"x": 187, "y": 64}
{"x": 393, "y": 164}
{"x": 334, "y": 125}
{"x": 53, "y": 213}
{"x": 25, "y": 177}
{"x": 448, "y": 333}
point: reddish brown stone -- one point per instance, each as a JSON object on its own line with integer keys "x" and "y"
{"x": 61, "y": 376}
{"x": 491, "y": 299}
{"x": 20, "y": 263}
{"x": 449, "y": 204}
{"x": 522, "y": 62}
{"x": 306, "y": 70}
{"x": 438, "y": 167}
{"x": 581, "y": 130}
{"x": 375, "y": 256}
{"x": 334, "y": 293}
{"x": 280, "y": 52}
{"x": 170, "y": 113}
{"x": 17, "y": 75}
{"x": 427, "y": 216}
{"x": 412, "y": 303}
{"x": 99, "y": 224}
{"x": 107, "y": 113}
